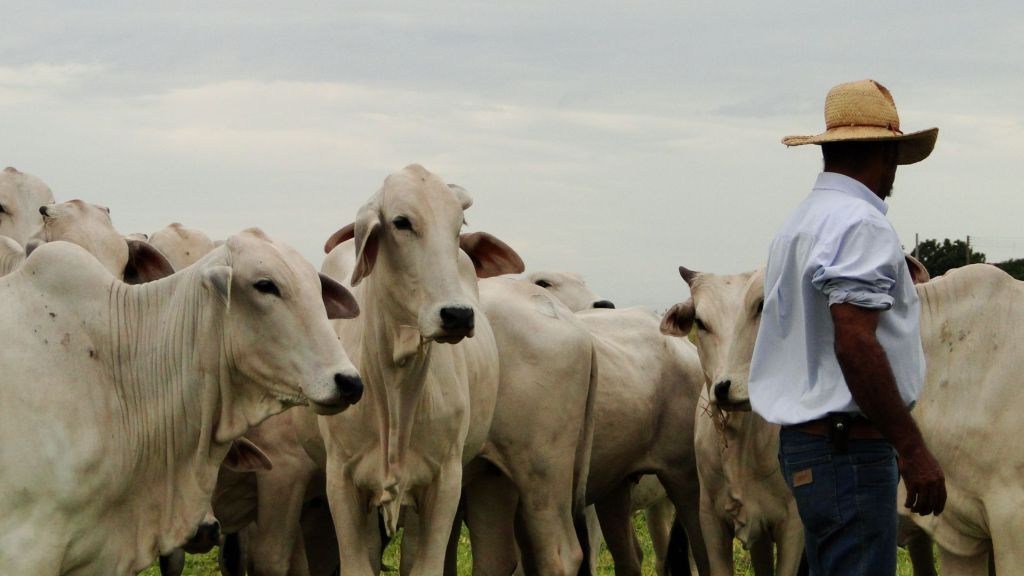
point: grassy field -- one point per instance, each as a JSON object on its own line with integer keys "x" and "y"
{"x": 207, "y": 565}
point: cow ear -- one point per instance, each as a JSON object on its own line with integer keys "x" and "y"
{"x": 491, "y": 257}
{"x": 918, "y": 273}
{"x": 244, "y": 456}
{"x": 678, "y": 320}
{"x": 346, "y": 233}
{"x": 145, "y": 263}
{"x": 367, "y": 237}
{"x": 462, "y": 195}
{"x": 688, "y": 275}
{"x": 218, "y": 279}
{"x": 337, "y": 299}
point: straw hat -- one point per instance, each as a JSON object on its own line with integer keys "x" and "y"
{"x": 864, "y": 111}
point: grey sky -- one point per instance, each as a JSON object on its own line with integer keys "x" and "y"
{"x": 618, "y": 140}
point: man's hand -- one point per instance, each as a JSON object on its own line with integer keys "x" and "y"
{"x": 924, "y": 480}
{"x": 869, "y": 377}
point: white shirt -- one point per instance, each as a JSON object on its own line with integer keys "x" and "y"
{"x": 836, "y": 247}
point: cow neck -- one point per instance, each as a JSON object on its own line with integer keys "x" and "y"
{"x": 397, "y": 387}
{"x": 171, "y": 376}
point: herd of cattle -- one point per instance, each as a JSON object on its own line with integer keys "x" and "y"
{"x": 163, "y": 393}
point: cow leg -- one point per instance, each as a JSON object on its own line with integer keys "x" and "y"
{"x": 718, "y": 537}
{"x": 232, "y": 557}
{"x": 491, "y": 502}
{"x": 594, "y": 535}
{"x": 410, "y": 541}
{"x": 762, "y": 557}
{"x": 437, "y": 505}
{"x": 919, "y": 547}
{"x": 320, "y": 543}
{"x": 451, "y": 553}
{"x": 789, "y": 538}
{"x": 348, "y": 509}
{"x": 1007, "y": 537}
{"x": 546, "y": 519}
{"x": 280, "y": 494}
{"x": 660, "y": 516}
{"x": 691, "y": 506}
{"x": 614, "y": 511}
{"x": 172, "y": 564}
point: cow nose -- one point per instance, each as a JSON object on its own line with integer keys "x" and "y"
{"x": 604, "y": 304}
{"x": 722, "y": 391}
{"x": 350, "y": 387}
{"x": 457, "y": 319}
{"x": 44, "y": 210}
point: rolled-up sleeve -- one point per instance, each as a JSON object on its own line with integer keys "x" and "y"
{"x": 860, "y": 267}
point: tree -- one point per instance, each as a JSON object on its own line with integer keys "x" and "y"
{"x": 940, "y": 258}
{"x": 1014, "y": 267}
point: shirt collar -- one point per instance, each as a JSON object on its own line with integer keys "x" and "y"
{"x": 851, "y": 187}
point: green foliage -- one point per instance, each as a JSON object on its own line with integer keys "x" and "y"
{"x": 939, "y": 258}
{"x": 1013, "y": 267}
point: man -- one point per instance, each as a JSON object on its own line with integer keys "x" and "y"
{"x": 838, "y": 359}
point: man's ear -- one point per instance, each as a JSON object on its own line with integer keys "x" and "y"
{"x": 678, "y": 320}
{"x": 244, "y": 456}
{"x": 145, "y": 263}
{"x": 491, "y": 257}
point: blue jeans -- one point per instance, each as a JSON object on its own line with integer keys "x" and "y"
{"x": 847, "y": 502}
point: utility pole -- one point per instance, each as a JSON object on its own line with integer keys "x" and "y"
{"x": 917, "y": 244}
{"x": 968, "y": 255}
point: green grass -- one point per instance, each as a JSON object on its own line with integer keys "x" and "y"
{"x": 207, "y": 565}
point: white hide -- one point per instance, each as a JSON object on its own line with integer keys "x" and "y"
{"x": 742, "y": 493}
{"x": 431, "y": 390}
{"x": 124, "y": 400}
{"x": 21, "y": 196}
{"x": 11, "y": 255}
{"x": 570, "y": 289}
{"x": 182, "y": 246}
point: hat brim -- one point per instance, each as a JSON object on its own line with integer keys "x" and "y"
{"x": 912, "y": 147}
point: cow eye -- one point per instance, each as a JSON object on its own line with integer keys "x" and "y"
{"x": 267, "y": 287}
{"x": 543, "y": 283}
{"x": 700, "y": 325}
{"x": 402, "y": 223}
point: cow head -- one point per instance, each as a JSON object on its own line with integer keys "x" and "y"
{"x": 570, "y": 289}
{"x": 21, "y": 195}
{"x": 182, "y": 246}
{"x": 408, "y": 237}
{"x": 725, "y": 312}
{"x": 278, "y": 337}
{"x": 89, "y": 226}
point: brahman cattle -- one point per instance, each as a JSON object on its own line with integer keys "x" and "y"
{"x": 649, "y": 384}
{"x": 125, "y": 400}
{"x": 742, "y": 492}
{"x": 430, "y": 363}
{"x": 21, "y": 196}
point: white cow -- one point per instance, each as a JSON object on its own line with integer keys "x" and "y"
{"x": 21, "y": 196}
{"x": 742, "y": 492}
{"x": 182, "y": 246}
{"x": 972, "y": 326}
{"x": 126, "y": 399}
{"x": 88, "y": 225}
{"x": 639, "y": 366}
{"x": 726, "y": 311}
{"x": 429, "y": 361}
{"x": 12, "y": 255}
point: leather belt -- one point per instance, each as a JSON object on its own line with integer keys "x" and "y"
{"x": 859, "y": 428}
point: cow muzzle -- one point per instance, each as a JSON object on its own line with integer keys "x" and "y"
{"x": 457, "y": 322}
{"x": 347, "y": 390}
{"x": 723, "y": 398}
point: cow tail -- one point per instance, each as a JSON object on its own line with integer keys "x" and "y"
{"x": 677, "y": 558}
{"x": 583, "y": 449}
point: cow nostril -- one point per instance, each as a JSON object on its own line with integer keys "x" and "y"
{"x": 457, "y": 318}
{"x": 604, "y": 304}
{"x": 350, "y": 387}
{"x": 722, "y": 391}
